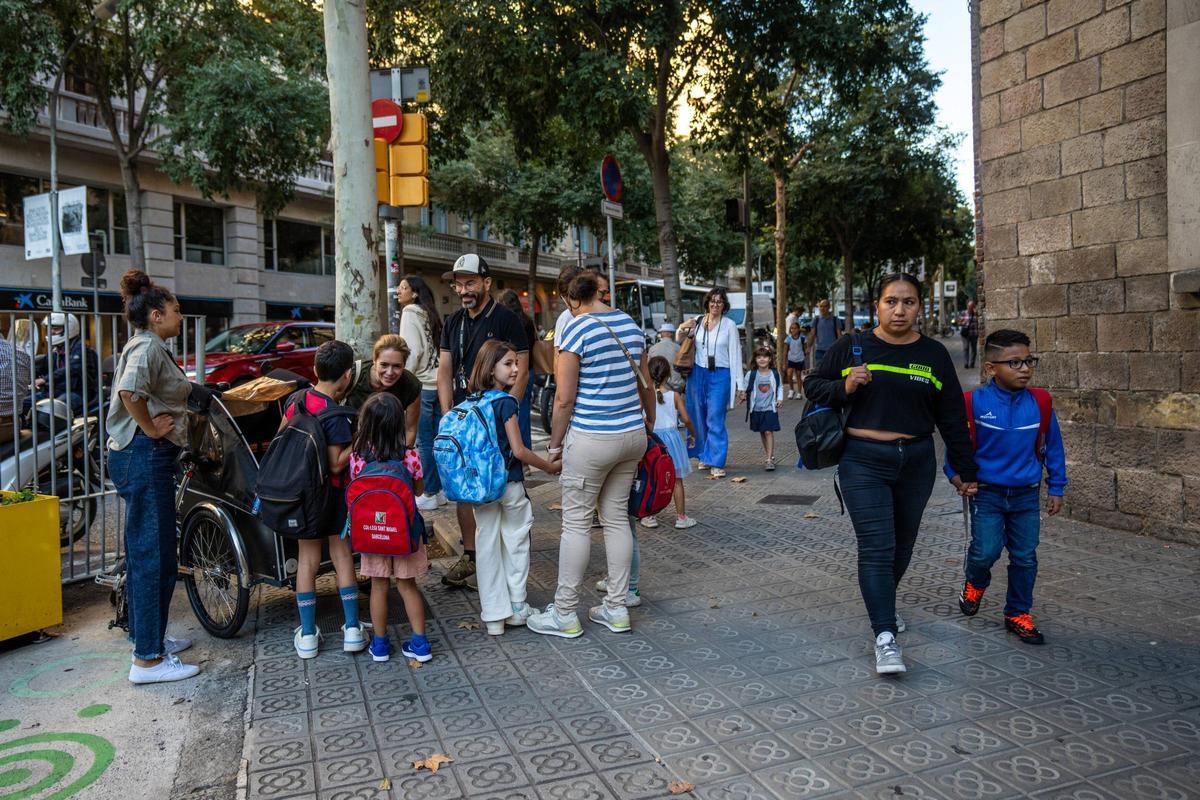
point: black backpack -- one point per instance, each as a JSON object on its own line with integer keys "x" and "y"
{"x": 821, "y": 431}
{"x": 295, "y": 498}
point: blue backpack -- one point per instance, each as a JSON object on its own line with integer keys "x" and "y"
{"x": 467, "y": 451}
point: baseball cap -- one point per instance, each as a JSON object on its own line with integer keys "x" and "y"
{"x": 468, "y": 264}
{"x": 666, "y": 327}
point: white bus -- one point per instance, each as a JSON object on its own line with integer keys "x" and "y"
{"x": 645, "y": 301}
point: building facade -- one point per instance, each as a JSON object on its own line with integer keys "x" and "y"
{"x": 1088, "y": 179}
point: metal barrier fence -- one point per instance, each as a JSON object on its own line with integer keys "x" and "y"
{"x": 55, "y": 415}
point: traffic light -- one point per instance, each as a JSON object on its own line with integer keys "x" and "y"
{"x": 382, "y": 195}
{"x": 408, "y": 164}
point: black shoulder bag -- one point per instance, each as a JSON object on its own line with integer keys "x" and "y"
{"x": 821, "y": 431}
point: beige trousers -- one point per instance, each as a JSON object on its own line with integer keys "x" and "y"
{"x": 597, "y": 473}
{"x": 502, "y": 552}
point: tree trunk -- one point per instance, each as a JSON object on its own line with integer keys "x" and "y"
{"x": 658, "y": 160}
{"x": 133, "y": 214}
{"x": 848, "y": 289}
{"x": 780, "y": 265}
{"x": 748, "y": 253}
{"x": 532, "y": 278}
{"x": 356, "y": 302}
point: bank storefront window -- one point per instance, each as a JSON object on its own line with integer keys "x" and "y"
{"x": 199, "y": 233}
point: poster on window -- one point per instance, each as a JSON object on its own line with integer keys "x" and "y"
{"x": 36, "y": 212}
{"x": 72, "y": 220}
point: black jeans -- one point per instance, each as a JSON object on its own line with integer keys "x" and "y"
{"x": 970, "y": 349}
{"x": 886, "y": 486}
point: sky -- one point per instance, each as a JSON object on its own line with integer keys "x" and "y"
{"x": 948, "y": 50}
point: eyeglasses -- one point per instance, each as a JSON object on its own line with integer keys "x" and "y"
{"x": 1017, "y": 363}
{"x": 467, "y": 286}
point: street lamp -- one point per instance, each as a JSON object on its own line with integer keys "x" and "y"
{"x": 102, "y": 11}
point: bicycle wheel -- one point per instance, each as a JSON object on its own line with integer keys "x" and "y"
{"x": 546, "y": 405}
{"x": 216, "y": 587}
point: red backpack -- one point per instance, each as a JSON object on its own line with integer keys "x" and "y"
{"x": 1044, "y": 404}
{"x": 654, "y": 484}
{"x": 382, "y": 515}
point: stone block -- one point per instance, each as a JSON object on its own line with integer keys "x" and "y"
{"x": 1115, "y": 520}
{"x": 1147, "y": 293}
{"x": 1190, "y": 372}
{"x": 1071, "y": 82}
{"x": 1147, "y": 16}
{"x": 1133, "y": 61}
{"x": 1100, "y": 111}
{"x": 1003, "y": 72}
{"x": 1122, "y": 332}
{"x": 1044, "y": 301}
{"x": 1097, "y": 297}
{"x": 1000, "y": 241}
{"x": 991, "y": 43}
{"x": 1020, "y": 101}
{"x": 1006, "y": 273}
{"x": 1095, "y": 485}
{"x": 1044, "y": 235}
{"x": 1171, "y": 410}
{"x": 1176, "y": 331}
{"x": 989, "y": 111}
{"x": 1062, "y": 14}
{"x": 1022, "y": 169}
{"x": 1086, "y": 264}
{"x": 1103, "y": 370}
{"x": 1104, "y": 32}
{"x": 1129, "y": 448}
{"x": 1152, "y": 216}
{"x": 1079, "y": 440}
{"x": 1002, "y": 140}
{"x": 1076, "y": 333}
{"x": 1191, "y": 502}
{"x": 1179, "y": 452}
{"x": 1142, "y": 257}
{"x": 1111, "y": 223}
{"x": 1146, "y": 97}
{"x": 1136, "y": 140}
{"x": 1042, "y": 268}
{"x": 1051, "y": 198}
{"x": 1006, "y": 208}
{"x": 1146, "y": 177}
{"x": 1102, "y": 187}
{"x": 1154, "y": 371}
{"x": 1082, "y": 153}
{"x": 1057, "y": 370}
{"x": 993, "y": 11}
{"x": 1147, "y": 493}
{"x": 1001, "y": 303}
{"x": 1025, "y": 28}
{"x": 1050, "y": 54}
{"x": 1046, "y": 127}
{"x": 1043, "y": 341}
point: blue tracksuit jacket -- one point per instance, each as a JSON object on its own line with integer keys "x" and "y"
{"x": 1006, "y": 426}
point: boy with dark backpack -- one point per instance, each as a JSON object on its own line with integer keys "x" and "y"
{"x": 301, "y": 491}
{"x": 1016, "y": 436}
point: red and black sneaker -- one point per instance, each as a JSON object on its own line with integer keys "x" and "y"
{"x": 1022, "y": 625}
{"x": 968, "y": 601}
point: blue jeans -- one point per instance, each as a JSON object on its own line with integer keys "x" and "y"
{"x": 431, "y": 414}
{"x": 707, "y": 402}
{"x": 523, "y": 414}
{"x": 144, "y": 474}
{"x": 886, "y": 486}
{"x": 1003, "y": 517}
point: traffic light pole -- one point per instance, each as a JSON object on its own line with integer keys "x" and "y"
{"x": 393, "y": 248}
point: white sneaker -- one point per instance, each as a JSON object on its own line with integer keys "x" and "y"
{"x": 441, "y": 498}
{"x": 495, "y": 628}
{"x": 169, "y": 669}
{"x": 307, "y": 646}
{"x": 633, "y": 597}
{"x": 174, "y": 646}
{"x": 616, "y": 620}
{"x": 888, "y": 657}
{"x": 355, "y": 640}
{"x": 791, "y": 395}
{"x": 551, "y": 623}
{"x": 716, "y": 472}
{"x": 685, "y": 522}
{"x": 521, "y": 614}
{"x": 427, "y": 502}
{"x": 649, "y": 522}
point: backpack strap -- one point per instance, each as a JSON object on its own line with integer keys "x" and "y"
{"x": 968, "y": 398}
{"x": 1045, "y": 405}
{"x": 640, "y": 378}
{"x": 856, "y": 351}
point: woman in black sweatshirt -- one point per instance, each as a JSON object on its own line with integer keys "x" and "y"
{"x": 899, "y": 385}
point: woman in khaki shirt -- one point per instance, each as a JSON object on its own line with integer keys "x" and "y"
{"x": 146, "y": 419}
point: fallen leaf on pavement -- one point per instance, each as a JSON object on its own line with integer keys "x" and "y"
{"x": 555, "y": 507}
{"x": 385, "y": 784}
{"x": 468, "y": 626}
{"x": 812, "y": 515}
{"x": 680, "y": 787}
{"x": 433, "y": 762}
{"x": 414, "y": 664}
{"x": 712, "y": 603}
{"x": 657, "y": 760}
{"x": 739, "y": 479}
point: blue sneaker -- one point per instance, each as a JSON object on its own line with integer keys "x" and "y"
{"x": 420, "y": 650}
{"x": 381, "y": 648}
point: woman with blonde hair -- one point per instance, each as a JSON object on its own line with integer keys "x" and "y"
{"x": 386, "y": 373}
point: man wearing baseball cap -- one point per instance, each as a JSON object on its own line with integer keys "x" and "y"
{"x": 464, "y": 332}
{"x": 668, "y": 348}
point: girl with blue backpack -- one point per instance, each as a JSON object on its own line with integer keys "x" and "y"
{"x": 503, "y": 524}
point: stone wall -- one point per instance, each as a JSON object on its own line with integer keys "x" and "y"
{"x": 1073, "y": 176}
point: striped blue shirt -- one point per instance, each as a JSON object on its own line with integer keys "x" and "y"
{"x": 607, "y": 400}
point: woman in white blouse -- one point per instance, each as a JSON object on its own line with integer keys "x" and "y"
{"x": 714, "y": 380}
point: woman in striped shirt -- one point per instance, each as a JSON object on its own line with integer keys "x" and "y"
{"x": 608, "y": 410}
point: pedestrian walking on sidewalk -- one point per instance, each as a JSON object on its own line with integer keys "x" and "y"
{"x": 1016, "y": 437}
{"x": 607, "y": 410}
{"x": 669, "y": 411}
{"x": 146, "y": 429}
{"x": 479, "y": 320}
{"x": 970, "y": 335}
{"x": 715, "y": 378}
{"x": 898, "y": 385}
{"x": 796, "y": 343}
{"x": 763, "y": 399}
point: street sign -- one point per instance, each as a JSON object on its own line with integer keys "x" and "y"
{"x": 387, "y": 119}
{"x": 402, "y": 84}
{"x": 949, "y": 288}
{"x": 610, "y": 209}
{"x": 610, "y": 179}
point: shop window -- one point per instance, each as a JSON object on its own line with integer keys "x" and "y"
{"x": 199, "y": 233}
{"x": 297, "y": 247}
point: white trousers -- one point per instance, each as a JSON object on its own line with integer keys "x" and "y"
{"x": 502, "y": 552}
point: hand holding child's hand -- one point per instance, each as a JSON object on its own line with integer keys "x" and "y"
{"x": 691, "y": 440}
{"x": 555, "y": 467}
{"x": 741, "y": 396}
{"x": 1053, "y": 505}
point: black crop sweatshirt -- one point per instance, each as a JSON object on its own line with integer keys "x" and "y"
{"x": 913, "y": 388}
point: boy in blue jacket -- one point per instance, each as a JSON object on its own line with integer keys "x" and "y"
{"x": 1016, "y": 434}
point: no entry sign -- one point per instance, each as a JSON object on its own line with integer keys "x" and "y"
{"x": 387, "y": 119}
{"x": 610, "y": 179}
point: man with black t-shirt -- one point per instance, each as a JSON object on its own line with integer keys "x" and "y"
{"x": 481, "y": 318}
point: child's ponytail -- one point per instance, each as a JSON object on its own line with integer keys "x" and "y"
{"x": 660, "y": 371}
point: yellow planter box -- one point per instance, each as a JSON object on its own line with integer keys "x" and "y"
{"x": 31, "y": 570}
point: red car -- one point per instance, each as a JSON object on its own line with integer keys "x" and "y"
{"x": 245, "y": 352}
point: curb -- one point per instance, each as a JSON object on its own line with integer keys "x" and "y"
{"x": 445, "y": 529}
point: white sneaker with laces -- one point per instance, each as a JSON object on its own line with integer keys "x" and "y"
{"x": 521, "y": 614}
{"x": 175, "y": 645}
{"x": 633, "y": 597}
{"x": 355, "y": 640}
{"x": 427, "y": 502}
{"x": 684, "y": 522}
{"x": 889, "y": 659}
{"x": 616, "y": 620}
{"x": 169, "y": 669}
{"x": 307, "y": 646}
{"x": 650, "y": 522}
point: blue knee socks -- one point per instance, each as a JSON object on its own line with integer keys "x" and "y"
{"x": 349, "y": 595}
{"x": 307, "y": 602}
